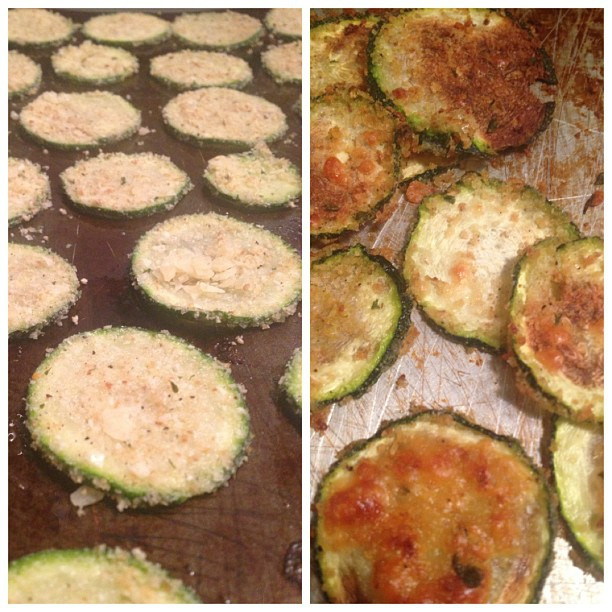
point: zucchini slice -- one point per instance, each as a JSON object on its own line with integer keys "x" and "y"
{"x": 42, "y": 286}
{"x": 24, "y": 75}
{"x": 217, "y": 270}
{"x": 31, "y": 27}
{"x": 353, "y": 162}
{"x": 470, "y": 75}
{"x": 556, "y": 326}
{"x": 129, "y": 29}
{"x": 358, "y": 317}
{"x": 217, "y": 29}
{"x": 338, "y": 54}
{"x": 117, "y": 185}
{"x": 291, "y": 382}
{"x": 284, "y": 62}
{"x": 28, "y": 190}
{"x": 94, "y": 64}
{"x": 284, "y": 22}
{"x": 459, "y": 259}
{"x": 93, "y": 576}
{"x": 79, "y": 120}
{"x": 191, "y": 69}
{"x": 254, "y": 179}
{"x": 433, "y": 509}
{"x": 141, "y": 415}
{"x": 578, "y": 460}
{"x": 223, "y": 116}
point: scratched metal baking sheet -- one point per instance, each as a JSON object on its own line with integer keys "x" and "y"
{"x": 564, "y": 164}
{"x": 229, "y": 546}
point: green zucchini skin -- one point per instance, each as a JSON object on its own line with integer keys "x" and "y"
{"x": 388, "y": 347}
{"x": 290, "y": 383}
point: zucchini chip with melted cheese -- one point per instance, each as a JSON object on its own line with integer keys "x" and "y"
{"x": 433, "y": 509}
{"x": 556, "y": 328}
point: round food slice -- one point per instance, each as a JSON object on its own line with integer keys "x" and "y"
{"x": 38, "y": 27}
{"x": 189, "y": 69}
{"x": 338, "y": 54}
{"x": 256, "y": 178}
{"x": 353, "y": 162}
{"x": 291, "y": 382}
{"x": 42, "y": 286}
{"x": 141, "y": 415}
{"x": 358, "y": 317}
{"x": 94, "y": 64}
{"x": 28, "y": 190}
{"x": 557, "y": 326}
{"x": 284, "y": 22}
{"x": 473, "y": 76}
{"x": 217, "y": 270}
{"x": 284, "y": 62}
{"x": 129, "y": 29}
{"x": 118, "y": 185}
{"x": 460, "y": 256}
{"x": 433, "y": 509}
{"x": 92, "y": 576}
{"x": 223, "y": 116}
{"x": 217, "y": 29}
{"x": 578, "y": 460}
{"x": 24, "y": 75}
{"x": 79, "y": 120}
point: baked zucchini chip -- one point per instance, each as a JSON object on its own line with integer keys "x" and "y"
{"x": 217, "y": 270}
{"x": 433, "y": 509}
{"x": 141, "y": 415}
{"x": 353, "y": 162}
{"x": 129, "y": 29}
{"x": 284, "y": 22}
{"x": 31, "y": 27}
{"x": 92, "y": 576}
{"x": 473, "y": 76}
{"x": 24, "y": 75}
{"x": 28, "y": 190}
{"x": 42, "y": 286}
{"x": 284, "y": 62}
{"x": 358, "y": 317}
{"x": 578, "y": 462}
{"x": 216, "y": 115}
{"x": 556, "y": 326}
{"x": 338, "y": 54}
{"x": 459, "y": 259}
{"x": 116, "y": 185}
{"x": 291, "y": 382}
{"x": 79, "y": 120}
{"x": 94, "y": 64}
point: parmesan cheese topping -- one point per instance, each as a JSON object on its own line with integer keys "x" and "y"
{"x": 24, "y": 75}
{"x": 28, "y": 26}
{"x": 285, "y": 21}
{"x": 216, "y": 29}
{"x": 28, "y": 189}
{"x": 127, "y": 28}
{"x": 284, "y": 62}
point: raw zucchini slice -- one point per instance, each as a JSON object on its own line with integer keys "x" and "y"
{"x": 141, "y": 415}
{"x": 254, "y": 179}
{"x": 338, "y": 54}
{"x": 460, "y": 256}
{"x": 433, "y": 509}
{"x": 284, "y": 62}
{"x": 217, "y": 30}
{"x": 217, "y": 270}
{"x": 284, "y": 22}
{"x": 42, "y": 286}
{"x": 31, "y": 27}
{"x": 556, "y": 326}
{"x": 93, "y": 576}
{"x": 472, "y": 75}
{"x": 223, "y": 116}
{"x": 119, "y": 185}
{"x": 28, "y": 190}
{"x": 358, "y": 316}
{"x": 130, "y": 29}
{"x": 94, "y": 64}
{"x": 189, "y": 69}
{"x": 79, "y": 120}
{"x": 578, "y": 460}
{"x": 291, "y": 382}
{"x": 24, "y": 75}
{"x": 353, "y": 162}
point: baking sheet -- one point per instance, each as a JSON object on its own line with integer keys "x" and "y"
{"x": 229, "y": 546}
{"x": 564, "y": 163}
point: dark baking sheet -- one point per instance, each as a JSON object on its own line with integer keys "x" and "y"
{"x": 229, "y": 546}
